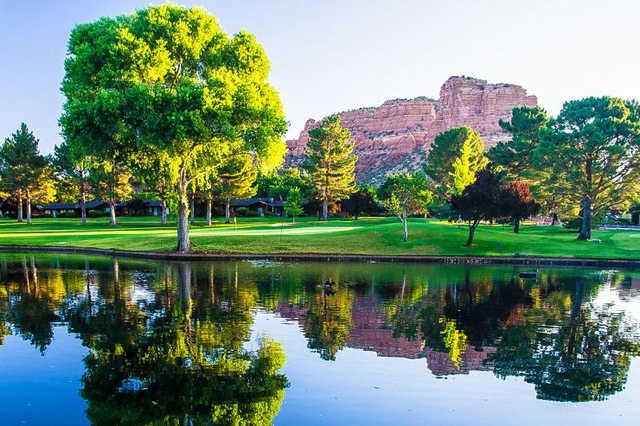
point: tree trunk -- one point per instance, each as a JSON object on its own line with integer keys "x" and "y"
{"x": 554, "y": 219}
{"x": 28, "y": 207}
{"x": 184, "y": 284}
{"x": 227, "y": 212}
{"x": 192, "y": 208}
{"x": 208, "y": 211}
{"x": 587, "y": 213}
{"x": 163, "y": 211}
{"x": 405, "y": 230}
{"x": 516, "y": 225}
{"x": 184, "y": 245}
{"x": 83, "y": 208}
{"x": 19, "y": 206}
{"x": 472, "y": 231}
{"x": 293, "y": 218}
{"x": 112, "y": 207}
{"x": 325, "y": 208}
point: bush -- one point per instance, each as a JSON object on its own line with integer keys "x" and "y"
{"x": 67, "y": 215}
{"x": 573, "y": 223}
{"x": 242, "y": 211}
{"x": 96, "y": 213}
{"x": 252, "y": 213}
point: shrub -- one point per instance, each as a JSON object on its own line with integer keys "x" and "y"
{"x": 96, "y": 213}
{"x": 573, "y": 223}
{"x": 67, "y": 215}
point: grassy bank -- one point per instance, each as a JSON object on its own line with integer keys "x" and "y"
{"x": 363, "y": 236}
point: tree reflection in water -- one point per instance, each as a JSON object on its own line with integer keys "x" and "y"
{"x": 182, "y": 331}
{"x": 186, "y": 354}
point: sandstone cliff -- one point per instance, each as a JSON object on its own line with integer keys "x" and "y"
{"x": 397, "y": 135}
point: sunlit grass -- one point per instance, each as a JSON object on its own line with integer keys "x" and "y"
{"x": 308, "y": 235}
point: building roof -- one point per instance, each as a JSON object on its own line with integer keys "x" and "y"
{"x": 60, "y": 206}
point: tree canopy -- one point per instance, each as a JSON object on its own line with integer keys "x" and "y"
{"x": 594, "y": 145}
{"x": 169, "y": 78}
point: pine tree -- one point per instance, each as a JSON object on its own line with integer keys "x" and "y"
{"x": 330, "y": 162}
{"x": 24, "y": 171}
{"x": 455, "y": 157}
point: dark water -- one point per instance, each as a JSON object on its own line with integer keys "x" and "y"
{"x": 96, "y": 340}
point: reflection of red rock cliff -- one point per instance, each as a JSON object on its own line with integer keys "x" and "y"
{"x": 440, "y": 364}
{"x": 396, "y": 135}
{"x": 371, "y": 333}
{"x": 369, "y": 330}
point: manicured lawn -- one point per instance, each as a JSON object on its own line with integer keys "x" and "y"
{"x": 363, "y": 236}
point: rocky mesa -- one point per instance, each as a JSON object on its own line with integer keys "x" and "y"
{"x": 397, "y": 135}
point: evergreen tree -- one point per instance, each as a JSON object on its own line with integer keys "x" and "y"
{"x": 330, "y": 162}
{"x": 25, "y": 172}
{"x": 454, "y": 159}
{"x": 517, "y": 157}
{"x": 594, "y": 146}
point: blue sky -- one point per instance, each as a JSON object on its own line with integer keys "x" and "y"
{"x": 328, "y": 55}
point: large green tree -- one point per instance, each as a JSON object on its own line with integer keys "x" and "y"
{"x": 169, "y": 78}
{"x": 594, "y": 144}
{"x": 330, "y": 162}
{"x": 24, "y": 172}
{"x": 454, "y": 159}
{"x": 517, "y": 157}
{"x": 404, "y": 194}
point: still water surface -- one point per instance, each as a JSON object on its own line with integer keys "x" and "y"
{"x": 97, "y": 340}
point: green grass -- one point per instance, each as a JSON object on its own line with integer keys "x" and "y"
{"x": 363, "y": 236}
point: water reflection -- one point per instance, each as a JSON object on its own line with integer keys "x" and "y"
{"x": 172, "y": 342}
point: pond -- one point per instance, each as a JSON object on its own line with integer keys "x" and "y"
{"x": 100, "y": 340}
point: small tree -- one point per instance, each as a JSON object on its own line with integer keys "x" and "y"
{"x": 363, "y": 200}
{"x": 151, "y": 170}
{"x": 110, "y": 183}
{"x": 482, "y": 200}
{"x": 235, "y": 179}
{"x": 404, "y": 194}
{"x": 24, "y": 172}
{"x": 330, "y": 162}
{"x": 72, "y": 166}
{"x": 293, "y": 203}
{"x": 518, "y": 203}
{"x": 277, "y": 185}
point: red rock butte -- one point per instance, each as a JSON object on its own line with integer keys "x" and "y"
{"x": 397, "y": 135}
